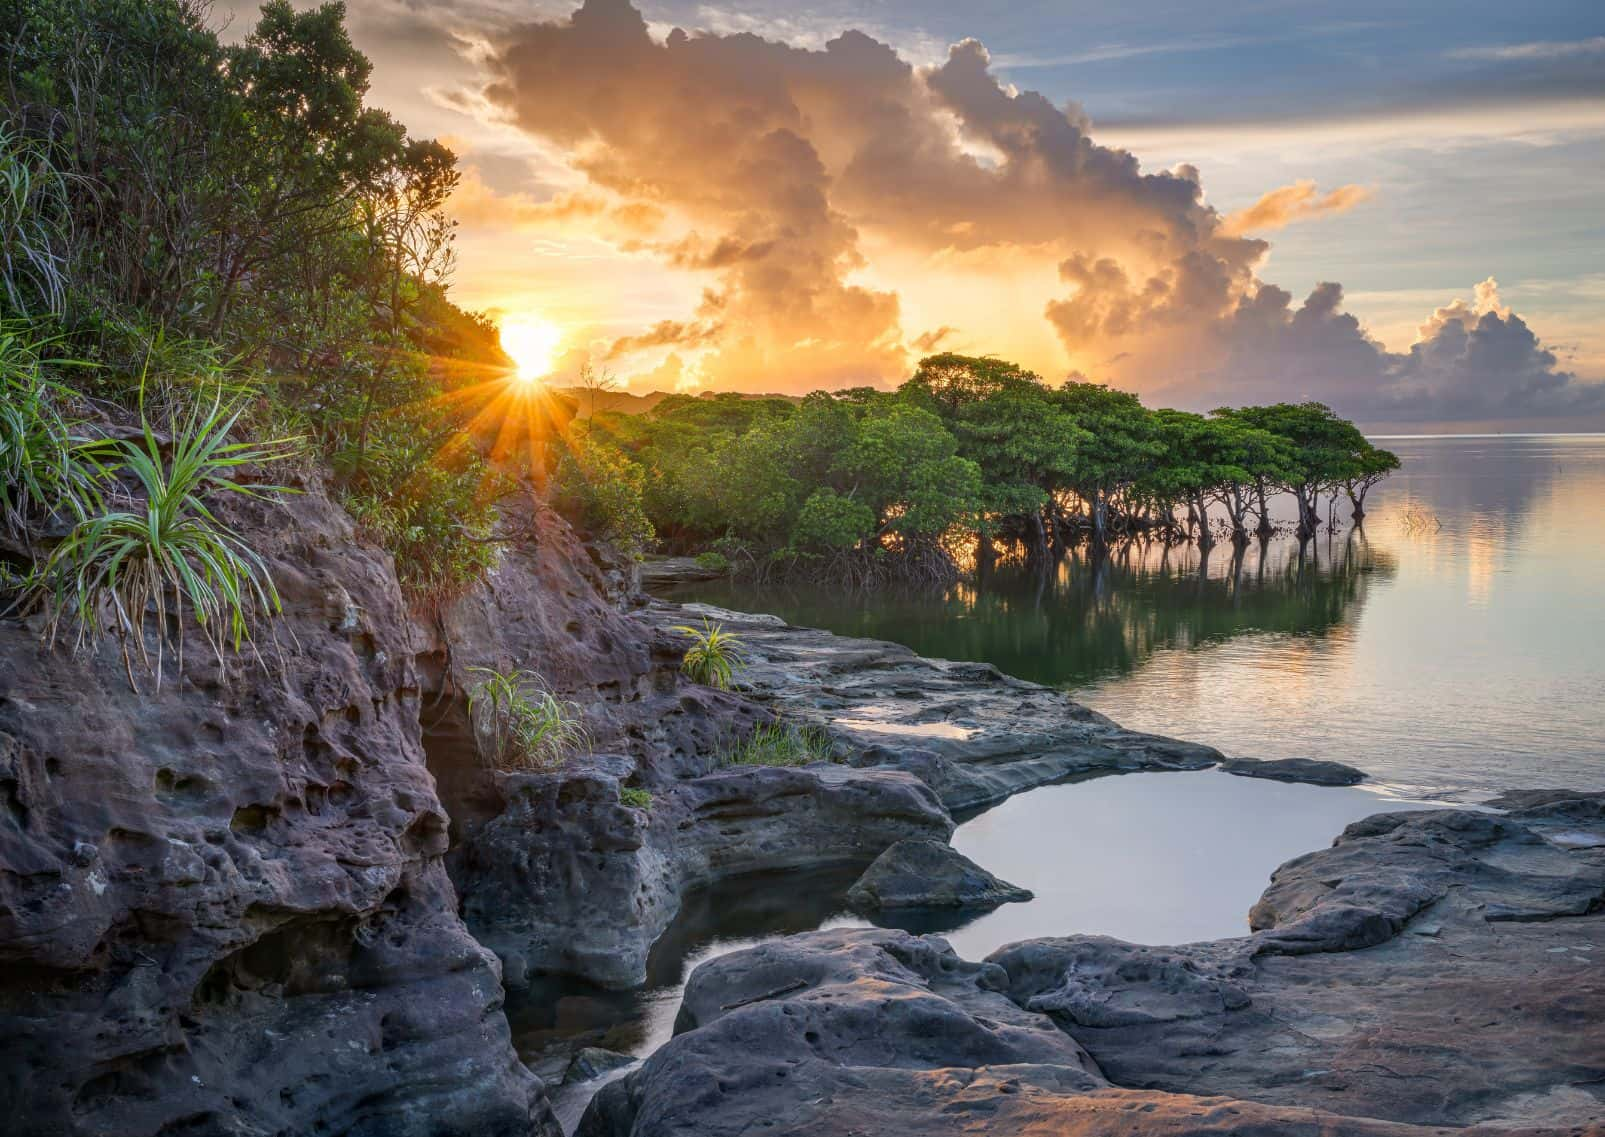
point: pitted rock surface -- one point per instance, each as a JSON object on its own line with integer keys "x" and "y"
{"x": 223, "y": 907}
{"x": 973, "y": 734}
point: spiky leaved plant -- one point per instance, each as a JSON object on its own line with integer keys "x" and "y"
{"x": 520, "y": 724}
{"x": 44, "y": 468}
{"x": 168, "y": 556}
{"x": 714, "y": 655}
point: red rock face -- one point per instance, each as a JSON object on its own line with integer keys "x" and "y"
{"x": 226, "y": 899}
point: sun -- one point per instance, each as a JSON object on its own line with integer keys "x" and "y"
{"x": 532, "y": 341}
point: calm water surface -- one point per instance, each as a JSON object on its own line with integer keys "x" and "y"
{"x": 1453, "y": 647}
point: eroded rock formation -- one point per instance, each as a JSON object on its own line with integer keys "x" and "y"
{"x": 1431, "y": 973}
{"x": 223, "y": 904}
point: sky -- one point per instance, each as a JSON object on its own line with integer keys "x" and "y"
{"x": 1397, "y": 209}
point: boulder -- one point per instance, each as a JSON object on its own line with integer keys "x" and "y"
{"x": 927, "y": 873}
{"x": 592, "y": 1062}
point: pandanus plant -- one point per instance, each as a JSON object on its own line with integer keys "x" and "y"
{"x": 714, "y": 654}
{"x": 167, "y": 556}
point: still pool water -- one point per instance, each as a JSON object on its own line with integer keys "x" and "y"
{"x": 1454, "y": 646}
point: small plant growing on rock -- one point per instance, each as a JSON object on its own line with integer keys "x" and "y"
{"x": 635, "y": 797}
{"x": 711, "y": 560}
{"x": 520, "y": 724}
{"x": 780, "y": 743}
{"x": 714, "y": 655}
{"x": 168, "y": 555}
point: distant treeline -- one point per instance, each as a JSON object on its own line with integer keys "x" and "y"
{"x": 970, "y": 452}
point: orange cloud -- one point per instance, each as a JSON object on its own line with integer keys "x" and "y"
{"x": 772, "y": 172}
{"x": 1300, "y": 201}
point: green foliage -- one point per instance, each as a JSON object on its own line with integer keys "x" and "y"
{"x": 180, "y": 207}
{"x": 43, "y": 468}
{"x": 867, "y": 486}
{"x": 603, "y": 492}
{"x": 711, "y": 560}
{"x": 779, "y": 743}
{"x": 34, "y": 214}
{"x": 121, "y": 569}
{"x": 520, "y": 724}
{"x": 714, "y": 655}
{"x": 828, "y": 520}
{"x": 635, "y": 797}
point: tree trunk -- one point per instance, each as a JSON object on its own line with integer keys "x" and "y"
{"x": 1206, "y": 539}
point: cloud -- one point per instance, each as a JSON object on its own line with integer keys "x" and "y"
{"x": 476, "y": 203}
{"x": 1300, "y": 201}
{"x": 926, "y": 342}
{"x": 1475, "y": 360}
{"x": 663, "y": 334}
{"x": 768, "y": 169}
{"x": 1539, "y": 50}
{"x": 709, "y": 128}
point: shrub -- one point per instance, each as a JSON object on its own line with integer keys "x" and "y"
{"x": 711, "y": 561}
{"x": 126, "y": 563}
{"x": 831, "y": 521}
{"x": 780, "y": 743}
{"x": 435, "y": 513}
{"x": 43, "y": 468}
{"x": 520, "y": 724}
{"x": 602, "y": 491}
{"x": 714, "y": 655}
{"x": 635, "y": 797}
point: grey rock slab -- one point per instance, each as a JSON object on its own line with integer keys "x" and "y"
{"x": 1306, "y": 770}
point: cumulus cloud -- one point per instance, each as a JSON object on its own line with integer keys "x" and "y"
{"x": 1475, "y": 360}
{"x": 1301, "y": 201}
{"x": 766, "y": 170}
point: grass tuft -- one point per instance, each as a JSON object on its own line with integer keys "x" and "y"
{"x": 44, "y": 469}
{"x": 520, "y": 724}
{"x": 780, "y": 743}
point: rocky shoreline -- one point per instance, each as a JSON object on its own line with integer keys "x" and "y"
{"x": 289, "y": 898}
{"x": 1430, "y": 973}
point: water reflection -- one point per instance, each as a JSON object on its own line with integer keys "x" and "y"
{"x": 1455, "y": 646}
{"x": 1095, "y": 616}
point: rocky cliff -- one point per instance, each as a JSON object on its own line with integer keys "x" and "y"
{"x": 224, "y": 905}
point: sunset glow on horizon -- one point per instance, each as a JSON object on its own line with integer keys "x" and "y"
{"x": 1196, "y": 206}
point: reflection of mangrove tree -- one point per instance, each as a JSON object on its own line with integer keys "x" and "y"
{"x": 1096, "y": 615}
